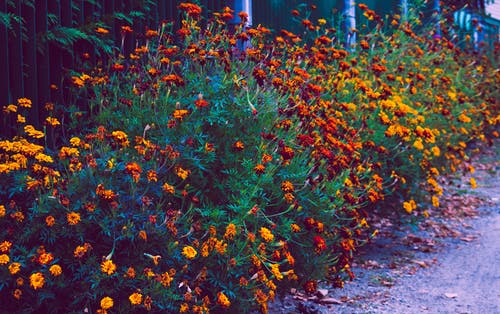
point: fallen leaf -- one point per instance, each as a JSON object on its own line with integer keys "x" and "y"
{"x": 421, "y": 263}
{"x": 329, "y": 301}
{"x": 451, "y": 295}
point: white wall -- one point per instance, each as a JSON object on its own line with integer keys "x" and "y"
{"x": 494, "y": 9}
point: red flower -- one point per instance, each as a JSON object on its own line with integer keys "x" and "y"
{"x": 191, "y": 9}
{"x": 319, "y": 244}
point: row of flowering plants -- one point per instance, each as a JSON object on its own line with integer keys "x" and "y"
{"x": 219, "y": 165}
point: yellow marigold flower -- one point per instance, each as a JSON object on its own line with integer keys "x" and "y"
{"x": 321, "y": 21}
{"x": 266, "y": 234}
{"x": 106, "y": 303}
{"x": 180, "y": 113}
{"x": 463, "y": 118}
{"x": 55, "y": 270}
{"x": 10, "y": 108}
{"x": 409, "y": 206}
{"x": 2, "y": 209}
{"x": 418, "y": 144}
{"x": 108, "y": 267}
{"x": 189, "y": 252}
{"x": 31, "y": 131}
{"x": 73, "y": 218}
{"x": 135, "y": 298}
{"x": 473, "y": 183}
{"x": 14, "y": 268}
{"x": 168, "y": 188}
{"x": 101, "y": 30}
{"x": 24, "y": 102}
{"x": 21, "y": 119}
{"x": 436, "y": 151}
{"x": 75, "y": 141}
{"x": 289, "y": 197}
{"x": 4, "y": 259}
{"x": 5, "y": 246}
{"x": 230, "y": 231}
{"x": 223, "y": 300}
{"x": 435, "y": 201}
{"x": 37, "y": 280}
{"x": 184, "y": 308}
{"x": 165, "y": 279}
{"x": 275, "y": 269}
{"x": 52, "y": 121}
{"x": 44, "y": 158}
{"x": 182, "y": 173}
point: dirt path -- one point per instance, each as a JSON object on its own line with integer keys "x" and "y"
{"x": 448, "y": 264}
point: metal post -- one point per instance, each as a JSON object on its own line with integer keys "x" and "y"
{"x": 349, "y": 23}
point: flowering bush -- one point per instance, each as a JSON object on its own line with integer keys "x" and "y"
{"x": 222, "y": 165}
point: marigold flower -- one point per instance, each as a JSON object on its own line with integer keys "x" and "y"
{"x": 2, "y": 211}
{"x": 275, "y": 269}
{"x": 73, "y": 218}
{"x": 266, "y": 234}
{"x": 223, "y": 300}
{"x": 14, "y": 268}
{"x": 55, "y": 270}
{"x": 5, "y": 246}
{"x": 409, "y": 206}
{"x": 182, "y": 173}
{"x": 37, "y": 280}
{"x": 259, "y": 169}
{"x": 45, "y": 258}
{"x": 287, "y": 186}
{"x": 4, "y": 259}
{"x": 230, "y": 231}
{"x": 24, "y": 102}
{"x": 52, "y": 121}
{"x": 319, "y": 244}
{"x": 108, "y": 267}
{"x": 435, "y": 201}
{"x": 238, "y": 145}
{"x": 101, "y": 30}
{"x": 17, "y": 294}
{"x": 473, "y": 183}
{"x": 106, "y": 303}
{"x": 189, "y": 252}
{"x": 135, "y": 298}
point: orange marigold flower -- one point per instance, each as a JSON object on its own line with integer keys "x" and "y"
{"x": 45, "y": 258}
{"x": 37, "y": 280}
{"x": 223, "y": 300}
{"x": 73, "y": 218}
{"x": 287, "y": 186}
{"x": 106, "y": 303}
{"x": 189, "y": 252}
{"x": 152, "y": 176}
{"x": 319, "y": 244}
{"x": 238, "y": 145}
{"x": 101, "y": 30}
{"x": 130, "y": 272}
{"x": 266, "y": 234}
{"x": 259, "y": 169}
{"x": 295, "y": 227}
{"x": 18, "y": 293}
{"x": 135, "y": 298}
{"x": 182, "y": 173}
{"x": 473, "y": 183}
{"x": 55, "y": 270}
{"x": 108, "y": 267}
{"x": 24, "y": 102}
{"x": 14, "y": 268}
{"x": 230, "y": 231}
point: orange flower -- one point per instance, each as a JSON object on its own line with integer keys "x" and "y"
{"x": 73, "y": 218}
{"x": 135, "y": 298}
{"x": 55, "y": 270}
{"x": 168, "y": 188}
{"x": 259, "y": 169}
{"x": 192, "y": 10}
{"x": 37, "y": 280}
{"x": 108, "y": 267}
{"x": 223, "y": 300}
{"x": 14, "y": 268}
{"x": 101, "y": 30}
{"x": 266, "y": 234}
{"x": 106, "y": 303}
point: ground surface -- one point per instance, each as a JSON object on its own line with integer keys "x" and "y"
{"x": 447, "y": 264}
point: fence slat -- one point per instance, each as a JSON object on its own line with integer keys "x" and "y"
{"x": 42, "y": 57}
{"x": 29, "y": 62}
{"x": 16, "y": 55}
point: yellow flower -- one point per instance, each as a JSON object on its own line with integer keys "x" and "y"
{"x": 2, "y": 211}
{"x": 24, "y": 102}
{"x": 189, "y": 252}
{"x": 266, "y": 234}
{"x": 295, "y": 227}
{"x": 168, "y": 188}
{"x": 135, "y": 298}
{"x": 435, "y": 201}
{"x": 37, "y": 280}
{"x": 14, "y": 268}
{"x": 21, "y": 119}
{"x": 31, "y": 131}
{"x": 473, "y": 183}
{"x": 4, "y": 259}
{"x": 409, "y": 206}
{"x": 436, "y": 151}
{"x": 106, "y": 303}
{"x": 418, "y": 144}
{"x": 275, "y": 269}
{"x": 321, "y": 21}
{"x": 108, "y": 267}
{"x": 75, "y": 141}
{"x": 73, "y": 218}
{"x": 55, "y": 270}
{"x": 52, "y": 121}
{"x": 223, "y": 300}
{"x": 5, "y": 246}
{"x": 182, "y": 173}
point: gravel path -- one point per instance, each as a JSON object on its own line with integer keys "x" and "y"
{"x": 450, "y": 264}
